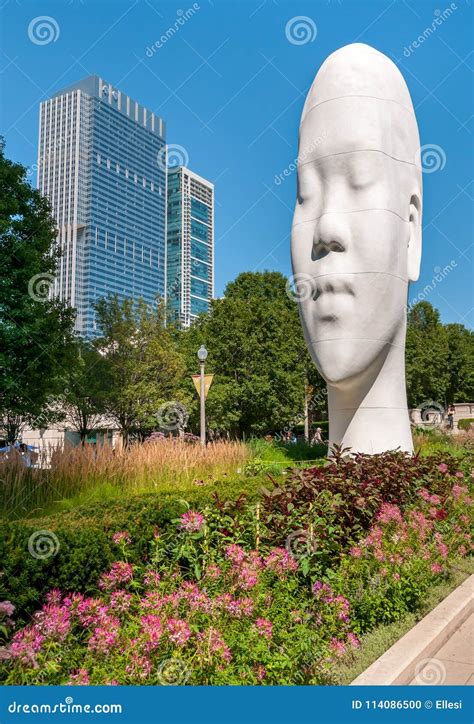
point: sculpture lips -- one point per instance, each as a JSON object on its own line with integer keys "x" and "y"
{"x": 332, "y": 285}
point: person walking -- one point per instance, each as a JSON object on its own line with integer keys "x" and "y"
{"x": 451, "y": 411}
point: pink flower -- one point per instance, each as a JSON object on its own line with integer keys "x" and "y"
{"x": 213, "y": 572}
{"x": 247, "y": 577}
{"x": 280, "y": 561}
{"x": 6, "y": 608}
{"x": 54, "y": 597}
{"x": 53, "y": 622}
{"x": 260, "y": 672}
{"x": 191, "y": 521}
{"x": 120, "y": 601}
{"x": 152, "y": 630}
{"x": 396, "y": 576}
{"x": 462, "y": 550}
{"x": 264, "y": 627}
{"x": 90, "y": 611}
{"x": 139, "y": 668}
{"x": 178, "y": 631}
{"x": 121, "y": 537}
{"x": 458, "y": 491}
{"x": 337, "y": 646}
{"x": 25, "y": 645}
{"x": 235, "y": 553}
{"x": 211, "y": 643}
{"x": 105, "y": 636}
{"x": 459, "y": 474}
{"x": 151, "y": 578}
{"x": 388, "y": 513}
{"x": 119, "y": 574}
{"x": 353, "y": 640}
{"x": 443, "y": 468}
{"x": 79, "y": 678}
{"x": 356, "y": 552}
{"x": 436, "y": 568}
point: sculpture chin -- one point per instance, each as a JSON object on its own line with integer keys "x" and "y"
{"x": 343, "y": 361}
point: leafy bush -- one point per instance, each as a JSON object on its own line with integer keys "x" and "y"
{"x": 390, "y": 570}
{"x": 465, "y": 424}
{"x": 240, "y": 615}
{"x": 320, "y": 511}
{"x": 84, "y": 545}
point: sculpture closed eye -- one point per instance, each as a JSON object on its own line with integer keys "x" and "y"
{"x": 356, "y": 235}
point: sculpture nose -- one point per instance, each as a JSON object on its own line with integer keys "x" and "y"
{"x": 329, "y": 235}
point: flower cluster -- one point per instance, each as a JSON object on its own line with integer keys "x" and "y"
{"x": 191, "y": 521}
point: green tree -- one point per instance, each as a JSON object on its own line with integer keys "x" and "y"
{"x": 460, "y": 363}
{"x": 36, "y": 331}
{"x": 83, "y": 403}
{"x": 257, "y": 353}
{"x": 142, "y": 367}
{"x": 426, "y": 356}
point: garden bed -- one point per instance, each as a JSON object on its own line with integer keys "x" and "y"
{"x": 281, "y": 588}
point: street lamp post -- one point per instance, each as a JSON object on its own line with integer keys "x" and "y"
{"x": 202, "y": 356}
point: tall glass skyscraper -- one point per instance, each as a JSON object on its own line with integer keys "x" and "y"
{"x": 190, "y": 245}
{"x": 102, "y": 164}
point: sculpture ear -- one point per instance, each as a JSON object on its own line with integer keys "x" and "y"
{"x": 414, "y": 239}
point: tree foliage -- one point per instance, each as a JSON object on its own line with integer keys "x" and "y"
{"x": 258, "y": 354}
{"x": 439, "y": 358}
{"x": 141, "y": 364}
{"x": 36, "y": 331}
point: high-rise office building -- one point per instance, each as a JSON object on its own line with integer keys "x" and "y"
{"x": 190, "y": 245}
{"x": 102, "y": 164}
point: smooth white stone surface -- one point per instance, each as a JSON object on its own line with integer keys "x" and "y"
{"x": 356, "y": 242}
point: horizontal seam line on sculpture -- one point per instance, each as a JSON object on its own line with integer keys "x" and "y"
{"x": 355, "y": 211}
{"x": 360, "y": 95}
{"x": 357, "y": 339}
{"x": 370, "y": 407}
{"x": 346, "y": 274}
{"x": 360, "y": 150}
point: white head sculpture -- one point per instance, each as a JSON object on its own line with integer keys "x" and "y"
{"x": 356, "y": 242}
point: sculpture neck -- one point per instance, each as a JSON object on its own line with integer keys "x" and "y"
{"x": 369, "y": 413}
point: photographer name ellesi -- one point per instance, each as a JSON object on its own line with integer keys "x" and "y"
{"x": 445, "y": 704}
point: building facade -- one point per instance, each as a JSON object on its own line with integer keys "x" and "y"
{"x": 190, "y": 245}
{"x": 102, "y": 165}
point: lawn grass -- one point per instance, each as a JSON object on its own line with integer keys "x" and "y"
{"x": 375, "y": 643}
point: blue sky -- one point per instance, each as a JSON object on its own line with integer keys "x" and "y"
{"x": 231, "y": 83}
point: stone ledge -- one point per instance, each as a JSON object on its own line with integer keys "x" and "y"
{"x": 397, "y": 665}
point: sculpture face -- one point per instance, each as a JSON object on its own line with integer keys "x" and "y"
{"x": 356, "y": 239}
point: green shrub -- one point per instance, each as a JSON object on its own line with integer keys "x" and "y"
{"x": 84, "y": 540}
{"x": 465, "y": 424}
